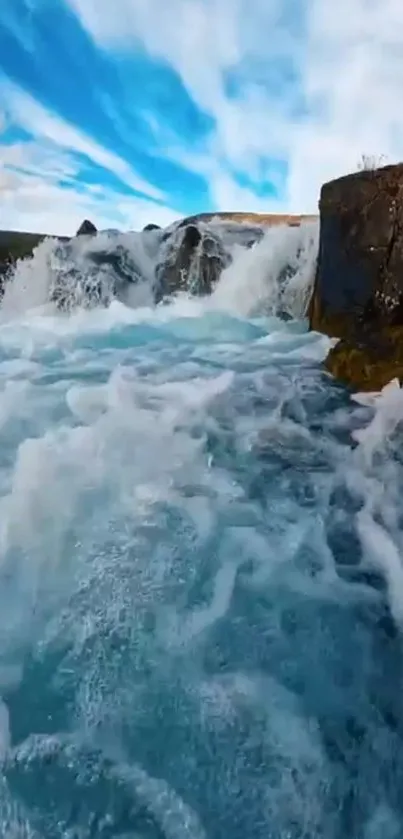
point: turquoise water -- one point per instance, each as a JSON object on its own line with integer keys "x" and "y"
{"x": 200, "y": 581}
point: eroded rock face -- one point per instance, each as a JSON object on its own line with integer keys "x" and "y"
{"x": 192, "y": 262}
{"x": 358, "y": 294}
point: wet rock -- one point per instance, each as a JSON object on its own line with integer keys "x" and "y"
{"x": 358, "y": 293}
{"x": 88, "y": 278}
{"x": 368, "y": 363}
{"x": 87, "y": 228}
{"x": 151, "y": 227}
{"x": 192, "y": 259}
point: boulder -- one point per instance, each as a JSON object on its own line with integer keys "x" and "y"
{"x": 87, "y": 228}
{"x": 192, "y": 259}
{"x": 151, "y": 227}
{"x": 358, "y": 292}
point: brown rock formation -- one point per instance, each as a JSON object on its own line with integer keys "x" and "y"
{"x": 358, "y": 294}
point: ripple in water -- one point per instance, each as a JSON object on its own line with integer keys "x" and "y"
{"x": 200, "y": 583}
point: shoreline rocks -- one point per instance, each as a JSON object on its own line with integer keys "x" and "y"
{"x": 201, "y": 248}
{"x": 358, "y": 291}
{"x": 16, "y": 245}
{"x": 87, "y": 228}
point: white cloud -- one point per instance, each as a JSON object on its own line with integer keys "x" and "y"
{"x": 32, "y": 203}
{"x": 32, "y": 199}
{"x": 30, "y": 193}
{"x": 349, "y": 61}
{"x": 347, "y": 58}
{"x": 24, "y": 110}
{"x": 354, "y": 67}
{"x": 202, "y": 40}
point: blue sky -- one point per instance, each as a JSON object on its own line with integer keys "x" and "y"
{"x": 137, "y": 111}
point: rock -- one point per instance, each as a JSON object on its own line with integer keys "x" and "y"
{"x": 151, "y": 227}
{"x": 90, "y": 278}
{"x": 192, "y": 259}
{"x": 370, "y": 363}
{"x": 87, "y": 228}
{"x": 358, "y": 293}
{"x": 245, "y": 233}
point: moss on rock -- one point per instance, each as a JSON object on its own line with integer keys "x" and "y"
{"x": 368, "y": 363}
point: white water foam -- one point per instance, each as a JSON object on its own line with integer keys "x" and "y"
{"x": 34, "y": 277}
{"x": 276, "y": 274}
{"x": 253, "y": 284}
{"x": 374, "y": 476}
{"x": 166, "y": 485}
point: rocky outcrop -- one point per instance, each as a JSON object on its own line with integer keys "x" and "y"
{"x": 92, "y": 276}
{"x": 15, "y": 245}
{"x": 191, "y": 259}
{"x": 368, "y": 363}
{"x": 193, "y": 255}
{"x": 87, "y": 228}
{"x": 358, "y": 293}
{"x": 189, "y": 255}
{"x": 149, "y": 227}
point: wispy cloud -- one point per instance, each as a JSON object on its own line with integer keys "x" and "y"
{"x": 53, "y": 161}
{"x": 143, "y": 110}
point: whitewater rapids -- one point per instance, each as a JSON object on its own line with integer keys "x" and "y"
{"x": 201, "y": 585}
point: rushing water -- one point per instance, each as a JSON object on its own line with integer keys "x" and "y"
{"x": 201, "y": 588}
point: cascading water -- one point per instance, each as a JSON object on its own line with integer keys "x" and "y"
{"x": 201, "y": 588}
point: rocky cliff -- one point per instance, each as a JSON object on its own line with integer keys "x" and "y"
{"x": 358, "y": 293}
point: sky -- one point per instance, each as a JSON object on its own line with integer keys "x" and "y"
{"x": 136, "y": 111}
